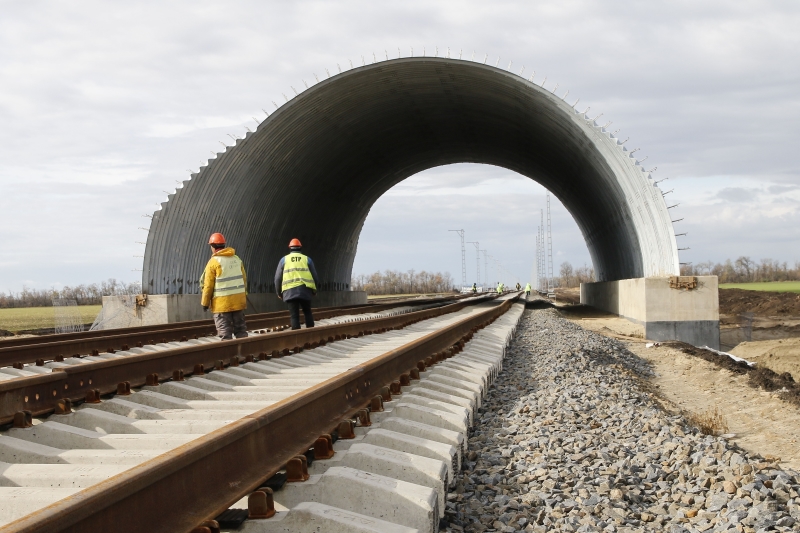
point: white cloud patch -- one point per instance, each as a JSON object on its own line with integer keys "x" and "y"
{"x": 104, "y": 106}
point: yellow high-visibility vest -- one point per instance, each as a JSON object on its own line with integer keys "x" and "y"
{"x": 231, "y": 281}
{"x": 527, "y": 287}
{"x": 296, "y": 272}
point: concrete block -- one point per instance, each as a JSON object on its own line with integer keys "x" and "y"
{"x": 432, "y": 414}
{"x": 444, "y": 388}
{"x": 69, "y": 437}
{"x": 370, "y": 494}
{"x": 186, "y": 391}
{"x": 103, "y": 421}
{"x": 409, "y": 443}
{"x": 457, "y": 383}
{"x": 395, "y": 464}
{"x": 56, "y": 475}
{"x": 148, "y": 396}
{"x": 665, "y": 313}
{"x": 440, "y": 397}
{"x": 471, "y": 365}
{"x": 312, "y": 517}
{"x": 461, "y": 374}
{"x": 18, "y": 502}
{"x": 427, "y": 432}
{"x": 145, "y": 412}
{"x": 21, "y": 451}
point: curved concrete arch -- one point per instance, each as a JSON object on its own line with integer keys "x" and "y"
{"x": 315, "y": 167}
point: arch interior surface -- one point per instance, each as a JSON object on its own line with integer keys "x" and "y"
{"x": 314, "y": 168}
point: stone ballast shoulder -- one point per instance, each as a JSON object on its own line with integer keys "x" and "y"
{"x": 569, "y": 440}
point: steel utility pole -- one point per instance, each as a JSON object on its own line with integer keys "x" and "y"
{"x": 477, "y": 260}
{"x": 542, "y": 257}
{"x": 485, "y": 270}
{"x": 549, "y": 249}
{"x": 535, "y": 278}
{"x": 463, "y": 258}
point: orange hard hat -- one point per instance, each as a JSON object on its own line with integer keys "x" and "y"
{"x": 295, "y": 243}
{"x": 216, "y": 238}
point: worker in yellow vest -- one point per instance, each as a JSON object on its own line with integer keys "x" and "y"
{"x": 527, "y": 289}
{"x": 296, "y": 283}
{"x": 499, "y": 288}
{"x": 224, "y": 289}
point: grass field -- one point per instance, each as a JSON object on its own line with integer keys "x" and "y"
{"x": 25, "y": 318}
{"x": 772, "y": 286}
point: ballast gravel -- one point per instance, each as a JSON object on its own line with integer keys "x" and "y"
{"x": 570, "y": 439}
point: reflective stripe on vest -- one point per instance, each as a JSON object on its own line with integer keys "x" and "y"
{"x": 231, "y": 281}
{"x": 296, "y": 272}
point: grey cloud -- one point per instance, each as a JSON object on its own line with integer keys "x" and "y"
{"x": 780, "y": 189}
{"x": 737, "y": 194}
{"x": 705, "y": 89}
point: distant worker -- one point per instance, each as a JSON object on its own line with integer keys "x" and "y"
{"x": 223, "y": 285}
{"x": 527, "y": 289}
{"x": 518, "y": 286}
{"x": 296, "y": 282}
{"x": 474, "y": 288}
{"x": 499, "y": 287}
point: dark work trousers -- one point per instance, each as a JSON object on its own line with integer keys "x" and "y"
{"x": 294, "y": 313}
{"x": 230, "y": 324}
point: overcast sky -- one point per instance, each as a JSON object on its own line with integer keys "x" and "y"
{"x": 105, "y": 106}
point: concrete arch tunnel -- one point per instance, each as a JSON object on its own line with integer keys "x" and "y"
{"x": 314, "y": 168}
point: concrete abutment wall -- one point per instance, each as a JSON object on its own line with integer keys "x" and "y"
{"x": 688, "y": 315}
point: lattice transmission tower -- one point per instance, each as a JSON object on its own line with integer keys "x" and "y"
{"x": 550, "y": 283}
{"x": 542, "y": 258}
{"x": 538, "y": 278}
{"x": 477, "y": 260}
{"x": 463, "y": 257}
{"x": 485, "y": 270}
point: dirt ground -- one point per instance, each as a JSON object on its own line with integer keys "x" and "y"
{"x": 780, "y": 355}
{"x": 762, "y": 303}
{"x": 759, "y": 421}
{"x": 757, "y": 318}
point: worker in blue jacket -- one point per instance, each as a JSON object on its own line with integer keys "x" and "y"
{"x": 296, "y": 283}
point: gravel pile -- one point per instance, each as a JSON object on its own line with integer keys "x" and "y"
{"x": 570, "y": 440}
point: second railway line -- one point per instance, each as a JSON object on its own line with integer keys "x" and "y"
{"x": 224, "y": 433}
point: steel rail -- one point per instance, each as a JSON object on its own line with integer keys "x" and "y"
{"x": 60, "y": 337}
{"x": 180, "y": 489}
{"x": 42, "y": 393}
{"x": 121, "y": 339}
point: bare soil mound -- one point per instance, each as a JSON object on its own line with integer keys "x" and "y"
{"x": 761, "y": 303}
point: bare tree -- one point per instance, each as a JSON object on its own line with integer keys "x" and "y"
{"x": 566, "y": 272}
{"x": 744, "y": 267}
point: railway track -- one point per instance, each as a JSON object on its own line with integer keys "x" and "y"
{"x": 38, "y": 350}
{"x": 161, "y": 451}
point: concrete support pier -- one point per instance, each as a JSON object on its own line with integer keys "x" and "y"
{"x": 684, "y": 308}
{"x": 121, "y": 312}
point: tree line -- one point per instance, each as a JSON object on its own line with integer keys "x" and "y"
{"x": 396, "y": 282}
{"x": 744, "y": 270}
{"x": 83, "y": 294}
{"x": 573, "y": 277}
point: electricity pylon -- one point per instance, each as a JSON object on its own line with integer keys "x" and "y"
{"x": 463, "y": 257}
